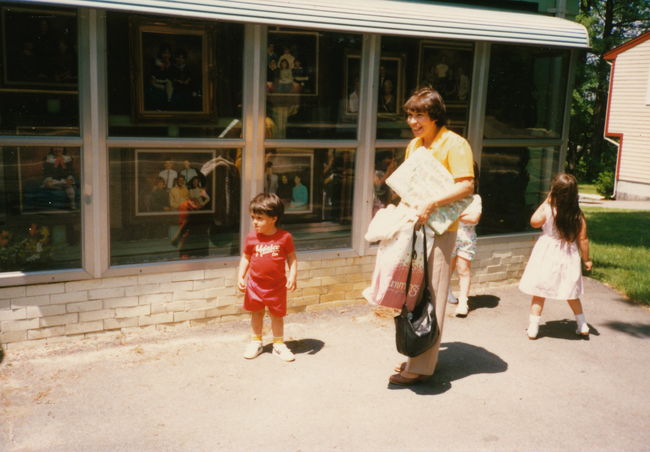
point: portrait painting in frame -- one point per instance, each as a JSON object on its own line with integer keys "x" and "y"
{"x": 292, "y": 63}
{"x": 39, "y": 48}
{"x": 172, "y": 70}
{"x": 390, "y": 84}
{"x": 158, "y": 190}
{"x": 290, "y": 174}
{"x": 447, "y": 67}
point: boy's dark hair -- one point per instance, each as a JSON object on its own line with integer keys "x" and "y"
{"x": 268, "y": 204}
{"x": 427, "y": 100}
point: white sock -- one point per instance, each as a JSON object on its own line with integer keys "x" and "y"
{"x": 532, "y": 318}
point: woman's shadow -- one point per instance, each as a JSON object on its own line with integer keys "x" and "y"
{"x": 458, "y": 360}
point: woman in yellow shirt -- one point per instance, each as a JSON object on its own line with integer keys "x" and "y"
{"x": 426, "y": 116}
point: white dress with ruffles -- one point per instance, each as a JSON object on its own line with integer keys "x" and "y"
{"x": 553, "y": 270}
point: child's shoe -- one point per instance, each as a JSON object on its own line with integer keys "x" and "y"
{"x": 450, "y": 298}
{"x": 281, "y": 350}
{"x": 462, "y": 309}
{"x": 253, "y": 349}
{"x": 533, "y": 326}
{"x": 583, "y": 327}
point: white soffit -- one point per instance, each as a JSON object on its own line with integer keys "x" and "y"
{"x": 389, "y": 17}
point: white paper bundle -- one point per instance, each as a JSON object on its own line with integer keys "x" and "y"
{"x": 421, "y": 179}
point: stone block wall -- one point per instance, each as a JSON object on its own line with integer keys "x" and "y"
{"x": 46, "y": 312}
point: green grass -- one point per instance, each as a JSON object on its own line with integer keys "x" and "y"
{"x": 620, "y": 250}
{"x": 587, "y": 189}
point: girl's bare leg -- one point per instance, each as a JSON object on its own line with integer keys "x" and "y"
{"x": 576, "y": 307}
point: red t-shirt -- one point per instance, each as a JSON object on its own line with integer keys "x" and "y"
{"x": 268, "y": 254}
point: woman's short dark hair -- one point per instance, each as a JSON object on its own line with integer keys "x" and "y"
{"x": 268, "y": 204}
{"x": 427, "y": 100}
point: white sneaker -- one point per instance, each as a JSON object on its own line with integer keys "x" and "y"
{"x": 253, "y": 349}
{"x": 462, "y": 309}
{"x": 583, "y": 329}
{"x": 533, "y": 326}
{"x": 281, "y": 350}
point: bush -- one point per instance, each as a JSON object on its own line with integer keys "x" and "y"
{"x": 605, "y": 184}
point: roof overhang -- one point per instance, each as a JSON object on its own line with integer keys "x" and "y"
{"x": 612, "y": 54}
{"x": 388, "y": 17}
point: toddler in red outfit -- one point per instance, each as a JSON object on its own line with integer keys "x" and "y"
{"x": 266, "y": 252}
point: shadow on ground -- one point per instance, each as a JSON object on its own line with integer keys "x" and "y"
{"x": 564, "y": 329}
{"x": 458, "y": 360}
{"x": 633, "y": 329}
{"x": 302, "y": 346}
{"x": 483, "y": 301}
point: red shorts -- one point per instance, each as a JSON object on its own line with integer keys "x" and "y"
{"x": 257, "y": 298}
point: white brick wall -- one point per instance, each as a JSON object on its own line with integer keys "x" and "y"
{"x": 50, "y": 311}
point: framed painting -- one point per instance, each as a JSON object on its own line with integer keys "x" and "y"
{"x": 447, "y": 67}
{"x": 290, "y": 174}
{"x": 48, "y": 179}
{"x": 39, "y": 48}
{"x": 165, "y": 178}
{"x": 391, "y": 85}
{"x": 292, "y": 63}
{"x": 172, "y": 70}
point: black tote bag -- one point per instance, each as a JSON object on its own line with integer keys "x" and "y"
{"x": 417, "y": 331}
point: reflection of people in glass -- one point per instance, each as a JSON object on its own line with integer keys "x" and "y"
{"x": 299, "y": 194}
{"x": 58, "y": 174}
{"x": 271, "y": 75}
{"x": 161, "y": 85}
{"x": 159, "y": 198}
{"x": 191, "y": 235}
{"x": 285, "y": 80}
{"x": 270, "y": 179}
{"x": 188, "y": 172}
{"x": 300, "y": 76}
{"x": 178, "y": 193}
{"x": 462, "y": 90}
{"x": 387, "y": 101}
{"x": 385, "y": 164}
{"x": 284, "y": 190}
{"x": 168, "y": 174}
{"x": 182, "y": 94}
{"x": 64, "y": 64}
{"x": 197, "y": 192}
{"x": 353, "y": 98}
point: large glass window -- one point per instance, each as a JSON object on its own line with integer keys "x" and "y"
{"x": 38, "y": 87}
{"x": 407, "y": 64}
{"x": 317, "y": 187}
{"x": 174, "y": 78}
{"x": 526, "y": 92}
{"x": 312, "y": 84}
{"x": 512, "y": 182}
{"x": 40, "y": 223}
{"x": 170, "y": 204}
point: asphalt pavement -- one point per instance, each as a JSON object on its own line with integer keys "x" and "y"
{"x": 189, "y": 389}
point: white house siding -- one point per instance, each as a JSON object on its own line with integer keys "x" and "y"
{"x": 630, "y": 116}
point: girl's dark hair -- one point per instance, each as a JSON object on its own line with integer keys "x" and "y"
{"x": 268, "y": 204}
{"x": 564, "y": 199}
{"x": 427, "y": 100}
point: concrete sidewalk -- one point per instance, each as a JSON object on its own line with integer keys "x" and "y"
{"x": 189, "y": 389}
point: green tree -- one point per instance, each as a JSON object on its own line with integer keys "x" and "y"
{"x": 610, "y": 23}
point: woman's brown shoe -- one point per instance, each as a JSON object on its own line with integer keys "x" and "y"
{"x": 400, "y": 380}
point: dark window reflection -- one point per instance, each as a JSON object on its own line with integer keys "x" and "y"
{"x": 513, "y": 182}
{"x": 525, "y": 92}
{"x": 316, "y": 186}
{"x": 40, "y": 208}
{"x": 38, "y": 88}
{"x": 167, "y": 204}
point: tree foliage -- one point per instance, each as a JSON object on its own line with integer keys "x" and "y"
{"x": 610, "y": 23}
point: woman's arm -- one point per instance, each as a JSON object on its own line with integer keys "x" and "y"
{"x": 293, "y": 271}
{"x": 243, "y": 270}
{"x": 462, "y": 188}
{"x": 539, "y": 217}
{"x": 470, "y": 218}
{"x": 583, "y": 245}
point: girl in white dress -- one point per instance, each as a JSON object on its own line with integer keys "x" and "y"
{"x": 553, "y": 270}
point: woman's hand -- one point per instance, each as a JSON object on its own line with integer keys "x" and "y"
{"x": 425, "y": 213}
